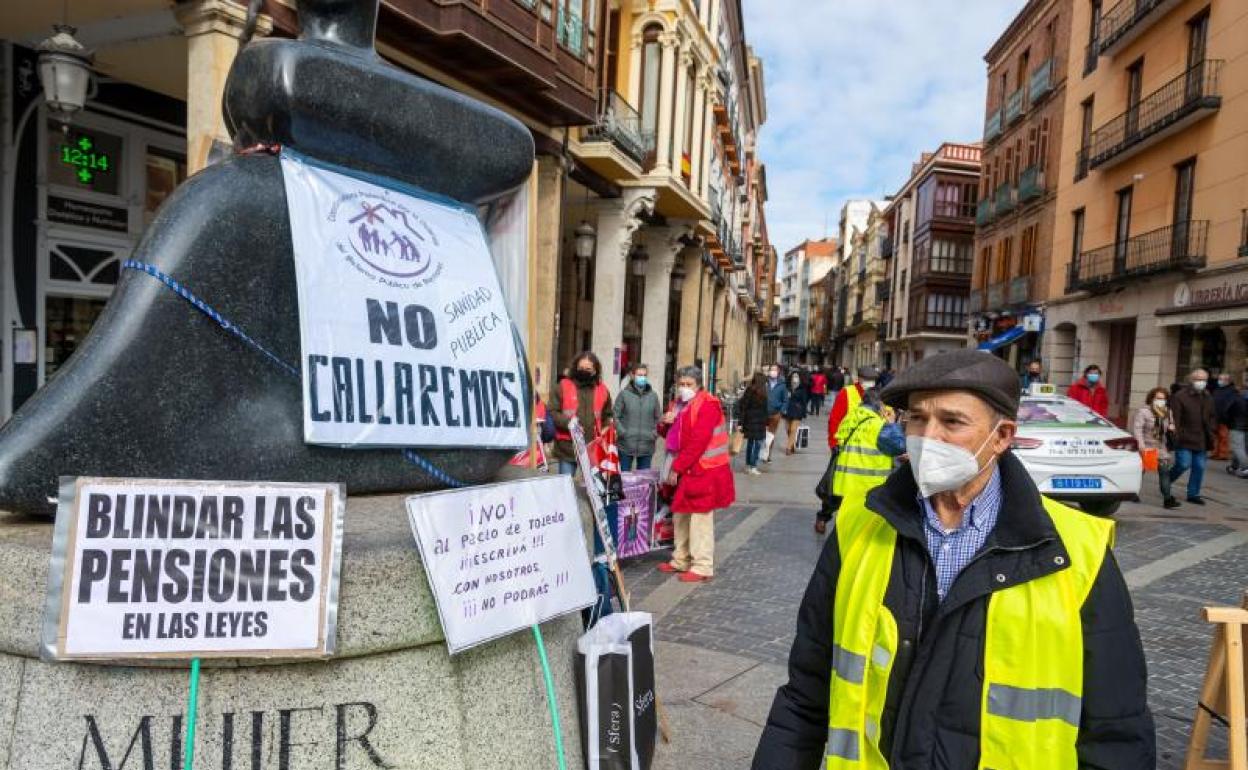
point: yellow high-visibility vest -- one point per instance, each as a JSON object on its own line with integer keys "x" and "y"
{"x": 1033, "y": 652}
{"x": 860, "y": 465}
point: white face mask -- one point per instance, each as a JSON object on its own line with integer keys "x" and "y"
{"x": 939, "y": 466}
{"x": 686, "y": 394}
{"x": 867, "y": 384}
{"x": 1160, "y": 403}
{"x": 1199, "y": 385}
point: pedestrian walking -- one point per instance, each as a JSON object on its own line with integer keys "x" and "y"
{"x": 1153, "y": 428}
{"x": 637, "y": 415}
{"x": 958, "y": 619}
{"x": 699, "y": 473}
{"x": 794, "y": 410}
{"x": 818, "y": 389}
{"x": 1238, "y": 414}
{"x": 846, "y": 401}
{"x": 1033, "y": 376}
{"x": 777, "y": 402}
{"x": 867, "y": 441}
{"x": 1195, "y": 430}
{"x": 584, "y": 396}
{"x": 752, "y": 415}
{"x": 1089, "y": 391}
{"x": 1224, "y": 395}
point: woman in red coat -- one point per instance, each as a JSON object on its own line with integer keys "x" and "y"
{"x": 697, "y": 447}
{"x": 1089, "y": 391}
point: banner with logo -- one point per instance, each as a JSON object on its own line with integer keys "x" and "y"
{"x": 406, "y": 337}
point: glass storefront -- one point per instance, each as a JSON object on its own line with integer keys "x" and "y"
{"x": 68, "y": 320}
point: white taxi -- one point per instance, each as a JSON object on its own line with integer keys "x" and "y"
{"x": 1076, "y": 456}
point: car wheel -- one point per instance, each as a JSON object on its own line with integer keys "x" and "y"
{"x": 1101, "y": 507}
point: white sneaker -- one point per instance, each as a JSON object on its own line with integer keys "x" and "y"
{"x": 754, "y": 472}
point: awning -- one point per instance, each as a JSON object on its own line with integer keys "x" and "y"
{"x": 1007, "y": 337}
{"x": 1217, "y": 315}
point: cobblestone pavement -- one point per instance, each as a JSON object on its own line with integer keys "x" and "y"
{"x": 723, "y": 644}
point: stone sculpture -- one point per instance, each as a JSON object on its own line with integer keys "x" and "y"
{"x": 161, "y": 390}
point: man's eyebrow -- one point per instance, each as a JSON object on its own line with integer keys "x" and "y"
{"x": 945, "y": 413}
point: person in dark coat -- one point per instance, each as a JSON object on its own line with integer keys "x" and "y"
{"x": 961, "y": 529}
{"x": 836, "y": 379}
{"x": 1195, "y": 431}
{"x": 752, "y": 415}
{"x": 1224, "y": 395}
{"x": 795, "y": 408}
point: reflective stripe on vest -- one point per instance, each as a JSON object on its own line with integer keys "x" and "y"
{"x": 569, "y": 402}
{"x": 1033, "y": 648}
{"x": 860, "y": 465}
{"x": 716, "y": 452}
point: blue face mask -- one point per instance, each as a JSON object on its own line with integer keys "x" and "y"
{"x": 1094, "y": 378}
{"x": 641, "y": 380}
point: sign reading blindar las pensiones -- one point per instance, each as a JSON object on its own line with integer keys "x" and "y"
{"x": 406, "y": 337}
{"x": 149, "y": 569}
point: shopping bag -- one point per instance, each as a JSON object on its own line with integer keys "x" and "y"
{"x": 1149, "y": 458}
{"x": 803, "y": 437}
{"x": 615, "y": 692}
{"x": 765, "y": 455}
{"x": 737, "y": 443}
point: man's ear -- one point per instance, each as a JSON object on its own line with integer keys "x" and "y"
{"x": 1005, "y": 434}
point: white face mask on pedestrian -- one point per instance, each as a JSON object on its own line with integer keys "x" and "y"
{"x": 686, "y": 394}
{"x": 939, "y": 466}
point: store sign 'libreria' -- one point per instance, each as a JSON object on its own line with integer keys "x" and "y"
{"x": 406, "y": 337}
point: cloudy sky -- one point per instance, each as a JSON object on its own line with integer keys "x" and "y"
{"x": 856, "y": 89}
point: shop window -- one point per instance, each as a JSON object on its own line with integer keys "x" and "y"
{"x": 1200, "y": 348}
{"x": 164, "y": 171}
{"x": 68, "y": 320}
{"x": 84, "y": 159}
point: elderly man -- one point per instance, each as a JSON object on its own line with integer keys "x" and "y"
{"x": 1195, "y": 432}
{"x": 958, "y": 620}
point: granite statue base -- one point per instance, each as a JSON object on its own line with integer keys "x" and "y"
{"x": 391, "y": 698}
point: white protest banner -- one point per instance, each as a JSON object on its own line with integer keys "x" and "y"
{"x": 182, "y": 569}
{"x": 405, "y": 332}
{"x": 502, "y": 557}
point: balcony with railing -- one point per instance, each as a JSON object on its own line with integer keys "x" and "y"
{"x": 1183, "y": 101}
{"x": 620, "y": 125}
{"x": 992, "y": 128}
{"x": 1081, "y": 163}
{"x": 1243, "y": 235}
{"x": 1014, "y": 106}
{"x": 1019, "y": 292}
{"x": 1030, "y": 184}
{"x": 1005, "y": 199}
{"x": 983, "y": 212}
{"x": 1041, "y": 82}
{"x": 1127, "y": 20}
{"x": 1180, "y": 246}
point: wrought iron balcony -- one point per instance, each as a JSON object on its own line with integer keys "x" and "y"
{"x": 1014, "y": 106}
{"x": 620, "y": 125}
{"x": 1243, "y": 236}
{"x": 983, "y": 212}
{"x": 1020, "y": 290}
{"x": 996, "y": 296}
{"x": 992, "y": 128}
{"x": 1127, "y": 20}
{"x": 1179, "y": 103}
{"x": 1041, "y": 81}
{"x": 1005, "y": 199}
{"x": 1180, "y": 246}
{"x": 1030, "y": 184}
{"x": 975, "y": 302}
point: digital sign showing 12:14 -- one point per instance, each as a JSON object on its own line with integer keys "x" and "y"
{"x": 86, "y": 160}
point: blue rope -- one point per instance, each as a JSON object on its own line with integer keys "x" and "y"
{"x": 206, "y": 309}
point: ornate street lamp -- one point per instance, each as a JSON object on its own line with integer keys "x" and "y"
{"x": 678, "y": 278}
{"x": 586, "y": 240}
{"x": 64, "y": 71}
{"x": 638, "y": 260}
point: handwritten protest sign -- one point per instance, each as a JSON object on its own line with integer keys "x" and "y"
{"x": 150, "y": 569}
{"x": 406, "y": 337}
{"x": 502, "y": 557}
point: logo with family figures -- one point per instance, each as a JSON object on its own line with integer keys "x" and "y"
{"x": 387, "y": 236}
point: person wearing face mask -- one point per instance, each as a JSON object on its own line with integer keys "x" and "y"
{"x": 777, "y": 402}
{"x": 1034, "y": 375}
{"x": 1195, "y": 431}
{"x": 1089, "y": 391}
{"x": 584, "y": 396}
{"x": 637, "y": 415}
{"x": 698, "y": 469}
{"x": 795, "y": 409}
{"x": 957, "y": 619}
{"x": 1153, "y": 428}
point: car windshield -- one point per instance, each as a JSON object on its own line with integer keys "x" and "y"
{"x": 1058, "y": 413}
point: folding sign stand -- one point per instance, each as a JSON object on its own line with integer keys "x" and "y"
{"x": 1223, "y": 696}
{"x": 608, "y": 540}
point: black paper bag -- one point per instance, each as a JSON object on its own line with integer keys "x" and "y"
{"x": 616, "y": 691}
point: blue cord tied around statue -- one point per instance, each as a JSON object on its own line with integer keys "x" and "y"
{"x": 206, "y": 309}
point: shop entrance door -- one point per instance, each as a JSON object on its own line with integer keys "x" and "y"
{"x": 1118, "y": 374}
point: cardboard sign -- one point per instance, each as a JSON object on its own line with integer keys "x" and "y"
{"x": 406, "y": 336}
{"x": 502, "y": 557}
{"x": 181, "y": 569}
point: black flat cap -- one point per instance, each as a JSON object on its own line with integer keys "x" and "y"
{"x": 971, "y": 370}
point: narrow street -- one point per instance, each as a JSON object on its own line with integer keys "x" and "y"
{"x": 723, "y": 646}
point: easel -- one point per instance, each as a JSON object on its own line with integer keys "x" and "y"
{"x": 608, "y": 542}
{"x": 1223, "y": 696}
